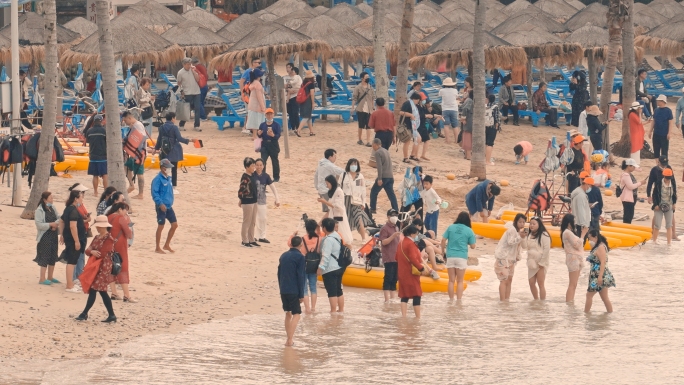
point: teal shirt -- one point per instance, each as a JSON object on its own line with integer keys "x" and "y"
{"x": 458, "y": 237}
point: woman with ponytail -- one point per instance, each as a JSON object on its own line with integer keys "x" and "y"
{"x": 73, "y": 237}
{"x": 600, "y": 278}
{"x": 48, "y": 225}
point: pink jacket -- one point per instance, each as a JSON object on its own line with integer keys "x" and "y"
{"x": 527, "y": 147}
{"x": 628, "y": 187}
{"x": 257, "y": 99}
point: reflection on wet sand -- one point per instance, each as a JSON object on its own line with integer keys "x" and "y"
{"x": 478, "y": 340}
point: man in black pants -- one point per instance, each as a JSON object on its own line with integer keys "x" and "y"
{"x": 269, "y": 132}
{"x": 382, "y": 121}
{"x": 389, "y": 241}
{"x": 507, "y": 100}
{"x": 542, "y": 105}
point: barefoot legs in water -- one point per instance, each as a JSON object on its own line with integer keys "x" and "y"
{"x": 572, "y": 286}
{"x": 604, "y": 297}
{"x": 291, "y": 322}
{"x": 538, "y": 279}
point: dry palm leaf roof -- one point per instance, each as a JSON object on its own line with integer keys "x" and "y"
{"x": 443, "y": 30}
{"x": 344, "y": 42}
{"x": 540, "y": 44}
{"x": 81, "y": 26}
{"x": 392, "y": 31}
{"x": 594, "y": 14}
{"x": 648, "y": 18}
{"x": 32, "y": 27}
{"x": 296, "y": 19}
{"x": 282, "y": 7}
{"x": 153, "y": 15}
{"x": 205, "y": 18}
{"x": 516, "y": 6}
{"x": 428, "y": 4}
{"x": 578, "y": 5}
{"x": 667, "y": 39}
{"x": 320, "y": 9}
{"x": 268, "y": 16}
{"x": 460, "y": 17}
{"x": 531, "y": 16}
{"x": 346, "y": 14}
{"x": 365, "y": 8}
{"x": 456, "y": 48}
{"x": 667, "y": 8}
{"x": 273, "y": 39}
{"x": 26, "y": 54}
{"x": 559, "y": 9}
{"x": 468, "y": 5}
{"x": 141, "y": 46}
{"x": 196, "y": 40}
{"x": 428, "y": 19}
{"x": 594, "y": 40}
{"x": 240, "y": 27}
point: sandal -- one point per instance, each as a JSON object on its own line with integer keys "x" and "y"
{"x": 114, "y": 297}
{"x": 312, "y": 134}
{"x": 413, "y": 158}
{"x": 46, "y": 282}
{"x": 131, "y": 300}
{"x": 296, "y": 132}
{"x": 406, "y": 160}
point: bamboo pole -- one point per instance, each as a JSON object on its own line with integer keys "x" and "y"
{"x": 285, "y": 129}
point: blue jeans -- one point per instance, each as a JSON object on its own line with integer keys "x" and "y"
{"x": 450, "y": 118}
{"x": 310, "y": 284}
{"x": 195, "y": 103}
{"x": 646, "y": 108}
{"x": 388, "y": 186}
{"x": 203, "y": 96}
{"x": 431, "y": 221}
{"x": 439, "y": 126}
{"x": 79, "y": 266}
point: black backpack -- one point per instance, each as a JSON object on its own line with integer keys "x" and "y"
{"x": 162, "y": 100}
{"x": 344, "y": 257}
{"x": 373, "y": 259}
{"x": 165, "y": 142}
{"x": 313, "y": 259}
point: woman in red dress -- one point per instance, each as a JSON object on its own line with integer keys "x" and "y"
{"x": 636, "y": 131}
{"x": 121, "y": 232}
{"x": 100, "y": 252}
{"x": 408, "y": 255}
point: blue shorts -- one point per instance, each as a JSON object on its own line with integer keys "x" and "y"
{"x": 97, "y": 167}
{"x": 450, "y": 118}
{"x": 163, "y": 216}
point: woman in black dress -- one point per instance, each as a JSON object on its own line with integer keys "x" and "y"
{"x": 47, "y": 223}
{"x": 73, "y": 237}
{"x": 578, "y": 84}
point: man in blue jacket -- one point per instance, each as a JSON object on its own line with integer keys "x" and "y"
{"x": 291, "y": 279}
{"x": 162, "y": 195}
{"x": 481, "y": 199}
{"x": 168, "y": 144}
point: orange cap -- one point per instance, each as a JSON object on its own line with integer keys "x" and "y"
{"x": 578, "y": 139}
{"x": 269, "y": 110}
{"x": 589, "y": 181}
{"x": 667, "y": 172}
{"x": 584, "y": 174}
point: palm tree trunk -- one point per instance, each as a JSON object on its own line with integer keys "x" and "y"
{"x": 624, "y": 146}
{"x": 478, "y": 168}
{"x": 593, "y": 78}
{"x": 115, "y": 163}
{"x": 403, "y": 56}
{"x": 41, "y": 179}
{"x": 273, "y": 90}
{"x": 379, "y": 51}
{"x": 614, "y": 43}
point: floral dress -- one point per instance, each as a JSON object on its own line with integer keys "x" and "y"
{"x": 595, "y": 266}
{"x": 105, "y": 245}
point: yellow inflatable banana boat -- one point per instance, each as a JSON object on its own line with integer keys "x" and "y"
{"x": 68, "y": 164}
{"x": 189, "y": 160}
{"x": 628, "y": 226}
{"x": 356, "y": 276}
{"x": 496, "y": 231}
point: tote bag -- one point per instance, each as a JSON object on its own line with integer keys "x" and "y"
{"x": 183, "y": 110}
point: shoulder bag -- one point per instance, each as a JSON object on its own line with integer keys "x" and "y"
{"x": 403, "y": 134}
{"x": 414, "y": 270}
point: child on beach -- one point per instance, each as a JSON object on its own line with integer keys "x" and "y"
{"x": 263, "y": 180}
{"x": 522, "y": 151}
{"x": 492, "y": 126}
{"x": 431, "y": 201}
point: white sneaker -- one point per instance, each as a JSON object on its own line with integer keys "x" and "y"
{"x": 246, "y": 132}
{"x": 74, "y": 290}
{"x": 176, "y": 192}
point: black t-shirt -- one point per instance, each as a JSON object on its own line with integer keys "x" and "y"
{"x": 578, "y": 162}
{"x": 307, "y": 88}
{"x": 71, "y": 214}
{"x": 422, "y": 110}
{"x": 97, "y": 140}
{"x": 406, "y": 107}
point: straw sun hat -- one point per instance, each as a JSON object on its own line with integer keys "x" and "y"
{"x": 101, "y": 221}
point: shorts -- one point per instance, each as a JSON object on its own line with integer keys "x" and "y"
{"x": 325, "y": 207}
{"x": 291, "y": 303}
{"x": 363, "y": 118}
{"x": 163, "y": 216}
{"x": 424, "y": 134}
{"x": 70, "y": 255}
{"x": 490, "y": 136}
{"x": 457, "y": 263}
{"x": 333, "y": 283}
{"x": 310, "y": 284}
{"x": 97, "y": 167}
{"x": 138, "y": 169}
{"x": 504, "y": 269}
{"x": 450, "y": 118}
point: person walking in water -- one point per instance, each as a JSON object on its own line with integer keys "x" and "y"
{"x": 408, "y": 258}
{"x": 329, "y": 269}
{"x": 292, "y": 281}
{"x": 574, "y": 250}
{"x": 507, "y": 254}
{"x": 600, "y": 278}
{"x": 455, "y": 242}
{"x": 538, "y": 244}
{"x": 389, "y": 241}
{"x": 162, "y": 195}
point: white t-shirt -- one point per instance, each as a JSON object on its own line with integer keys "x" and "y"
{"x": 295, "y": 81}
{"x": 187, "y": 81}
{"x": 583, "y": 128}
{"x": 449, "y": 99}
{"x": 431, "y": 200}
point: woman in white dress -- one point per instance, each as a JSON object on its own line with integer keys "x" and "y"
{"x": 337, "y": 209}
{"x": 538, "y": 244}
{"x": 354, "y": 187}
{"x": 507, "y": 254}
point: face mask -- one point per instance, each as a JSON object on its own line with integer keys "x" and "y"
{"x": 592, "y": 243}
{"x": 588, "y": 190}
{"x": 393, "y": 220}
{"x": 422, "y": 102}
{"x": 353, "y": 168}
{"x": 416, "y": 238}
{"x": 366, "y": 80}
{"x": 48, "y": 204}
{"x": 269, "y": 121}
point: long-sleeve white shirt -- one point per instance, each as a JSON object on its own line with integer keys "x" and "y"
{"x": 580, "y": 207}
{"x": 431, "y": 200}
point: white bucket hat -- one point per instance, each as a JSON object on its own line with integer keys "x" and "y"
{"x": 635, "y": 106}
{"x": 80, "y": 188}
{"x": 449, "y": 82}
{"x": 101, "y": 221}
{"x": 662, "y": 98}
{"x": 631, "y": 162}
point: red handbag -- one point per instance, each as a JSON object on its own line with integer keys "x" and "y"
{"x": 89, "y": 273}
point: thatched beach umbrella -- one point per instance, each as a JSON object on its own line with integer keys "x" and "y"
{"x": 531, "y": 15}
{"x": 31, "y": 31}
{"x": 429, "y": 4}
{"x": 205, "y": 18}
{"x": 140, "y": 47}
{"x": 494, "y": 4}
{"x": 516, "y": 6}
{"x": 392, "y": 31}
{"x": 81, "y": 26}
{"x": 559, "y": 9}
{"x": 282, "y": 7}
{"x": 443, "y": 30}
{"x": 427, "y": 18}
{"x": 296, "y": 19}
{"x": 648, "y": 18}
{"x": 494, "y": 18}
{"x": 540, "y": 44}
{"x": 468, "y": 5}
{"x": 578, "y": 5}
{"x": 462, "y": 17}
{"x": 365, "y": 8}
{"x": 667, "y": 39}
{"x": 346, "y": 14}
{"x": 268, "y": 17}
{"x": 456, "y": 48}
{"x": 667, "y": 8}
{"x": 196, "y": 40}
{"x": 594, "y": 14}
{"x": 320, "y": 9}
{"x": 25, "y": 53}
{"x": 153, "y": 15}
{"x": 240, "y": 27}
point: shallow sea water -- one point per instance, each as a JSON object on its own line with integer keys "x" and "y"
{"x": 479, "y": 341}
